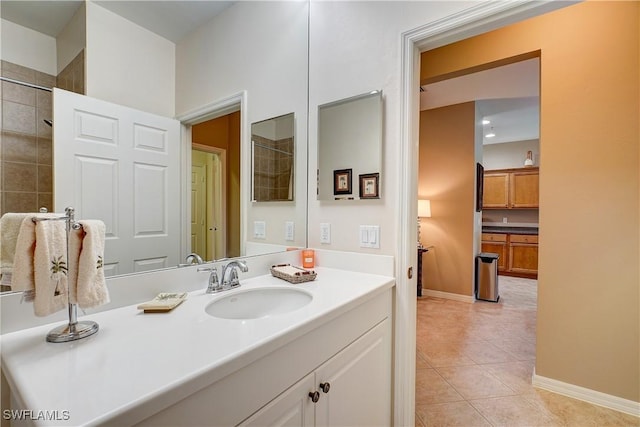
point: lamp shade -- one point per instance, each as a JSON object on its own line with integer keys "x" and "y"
{"x": 424, "y": 208}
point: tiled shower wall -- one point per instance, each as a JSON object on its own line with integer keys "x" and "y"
{"x": 26, "y": 162}
{"x": 26, "y": 167}
{"x": 272, "y": 168}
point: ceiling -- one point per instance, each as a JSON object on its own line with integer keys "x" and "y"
{"x": 508, "y": 96}
{"x": 169, "y": 19}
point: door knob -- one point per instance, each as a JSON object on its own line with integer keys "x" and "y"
{"x": 315, "y": 396}
{"x": 325, "y": 387}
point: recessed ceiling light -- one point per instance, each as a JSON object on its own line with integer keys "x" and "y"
{"x": 486, "y": 121}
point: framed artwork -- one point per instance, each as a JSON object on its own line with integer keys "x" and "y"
{"x": 369, "y": 184}
{"x": 479, "y": 186}
{"x": 342, "y": 181}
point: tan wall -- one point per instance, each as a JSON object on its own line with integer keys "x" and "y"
{"x": 446, "y": 176}
{"x": 588, "y": 296}
{"x": 224, "y": 133}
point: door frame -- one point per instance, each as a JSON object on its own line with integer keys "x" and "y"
{"x": 223, "y": 185}
{"x": 478, "y": 19}
{"x": 213, "y": 110}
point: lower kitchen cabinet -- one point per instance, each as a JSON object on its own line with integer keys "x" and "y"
{"x": 351, "y": 388}
{"x": 523, "y": 254}
{"x": 518, "y": 253}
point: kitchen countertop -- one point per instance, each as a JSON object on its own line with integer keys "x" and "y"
{"x": 157, "y": 359}
{"x": 510, "y": 228}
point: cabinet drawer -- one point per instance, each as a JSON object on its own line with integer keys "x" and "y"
{"x": 523, "y": 238}
{"x": 494, "y": 237}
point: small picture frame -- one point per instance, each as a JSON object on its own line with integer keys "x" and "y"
{"x": 369, "y": 186}
{"x": 342, "y": 181}
{"x": 479, "y": 186}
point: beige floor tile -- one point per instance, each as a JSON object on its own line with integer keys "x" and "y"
{"x": 515, "y": 375}
{"x": 474, "y": 382}
{"x": 576, "y": 413}
{"x": 513, "y": 411}
{"x": 431, "y": 388}
{"x": 450, "y": 414}
{"x": 476, "y": 360}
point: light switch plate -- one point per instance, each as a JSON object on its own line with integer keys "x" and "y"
{"x": 259, "y": 229}
{"x": 325, "y": 233}
{"x": 288, "y": 231}
{"x": 370, "y": 236}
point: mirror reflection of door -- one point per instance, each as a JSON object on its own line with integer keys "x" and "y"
{"x": 207, "y": 203}
{"x": 215, "y": 202}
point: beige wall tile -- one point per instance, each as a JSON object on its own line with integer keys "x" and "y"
{"x": 17, "y": 147}
{"x": 17, "y": 93}
{"x": 45, "y": 151}
{"x": 18, "y": 118}
{"x": 20, "y": 202}
{"x": 19, "y": 177}
{"x": 45, "y": 179}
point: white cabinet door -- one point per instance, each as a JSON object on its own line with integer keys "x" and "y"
{"x": 292, "y": 408}
{"x": 359, "y": 379}
{"x": 121, "y": 166}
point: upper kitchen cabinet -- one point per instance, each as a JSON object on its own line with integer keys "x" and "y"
{"x": 511, "y": 189}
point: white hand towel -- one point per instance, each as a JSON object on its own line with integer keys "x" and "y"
{"x": 40, "y": 264}
{"x": 91, "y": 284}
{"x": 9, "y": 228}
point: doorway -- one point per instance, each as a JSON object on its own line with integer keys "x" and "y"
{"x": 215, "y": 187}
{"x": 208, "y": 201}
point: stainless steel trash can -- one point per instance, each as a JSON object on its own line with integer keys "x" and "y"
{"x": 487, "y": 276}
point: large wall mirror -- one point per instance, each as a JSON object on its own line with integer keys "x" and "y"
{"x": 272, "y": 159}
{"x": 350, "y": 148}
{"x": 28, "y": 139}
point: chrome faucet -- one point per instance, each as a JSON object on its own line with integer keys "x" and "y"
{"x": 224, "y": 284}
{"x": 194, "y": 258}
{"x": 232, "y": 281}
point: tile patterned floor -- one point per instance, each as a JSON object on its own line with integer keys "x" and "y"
{"x": 474, "y": 365}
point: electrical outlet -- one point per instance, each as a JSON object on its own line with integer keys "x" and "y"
{"x": 288, "y": 231}
{"x": 325, "y": 233}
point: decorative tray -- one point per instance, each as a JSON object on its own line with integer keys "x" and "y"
{"x": 163, "y": 302}
{"x": 292, "y": 274}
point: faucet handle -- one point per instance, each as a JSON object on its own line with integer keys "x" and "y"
{"x": 234, "y": 281}
{"x": 213, "y": 285}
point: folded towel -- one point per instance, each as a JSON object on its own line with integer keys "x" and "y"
{"x": 40, "y": 264}
{"x": 9, "y": 228}
{"x": 91, "y": 290}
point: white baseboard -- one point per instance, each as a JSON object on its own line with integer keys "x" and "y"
{"x": 587, "y": 395}
{"x": 448, "y": 295}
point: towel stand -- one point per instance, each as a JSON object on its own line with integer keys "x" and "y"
{"x": 74, "y": 330}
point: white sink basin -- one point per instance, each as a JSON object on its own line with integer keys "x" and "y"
{"x": 258, "y": 302}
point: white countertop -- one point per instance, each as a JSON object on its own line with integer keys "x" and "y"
{"x": 155, "y": 360}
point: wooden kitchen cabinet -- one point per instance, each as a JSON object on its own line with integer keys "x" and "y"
{"x": 518, "y": 253}
{"x": 523, "y": 254}
{"x": 511, "y": 189}
{"x": 497, "y": 244}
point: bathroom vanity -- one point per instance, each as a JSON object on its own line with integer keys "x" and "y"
{"x": 328, "y": 362}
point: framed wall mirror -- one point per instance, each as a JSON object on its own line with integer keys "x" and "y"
{"x": 350, "y": 139}
{"x": 272, "y": 159}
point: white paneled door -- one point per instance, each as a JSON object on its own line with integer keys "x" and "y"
{"x": 121, "y": 166}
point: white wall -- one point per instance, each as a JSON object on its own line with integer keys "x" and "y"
{"x": 355, "y": 48}
{"x": 510, "y": 154}
{"x": 127, "y": 64}
{"x": 72, "y": 39}
{"x": 26, "y": 47}
{"x": 260, "y": 48}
